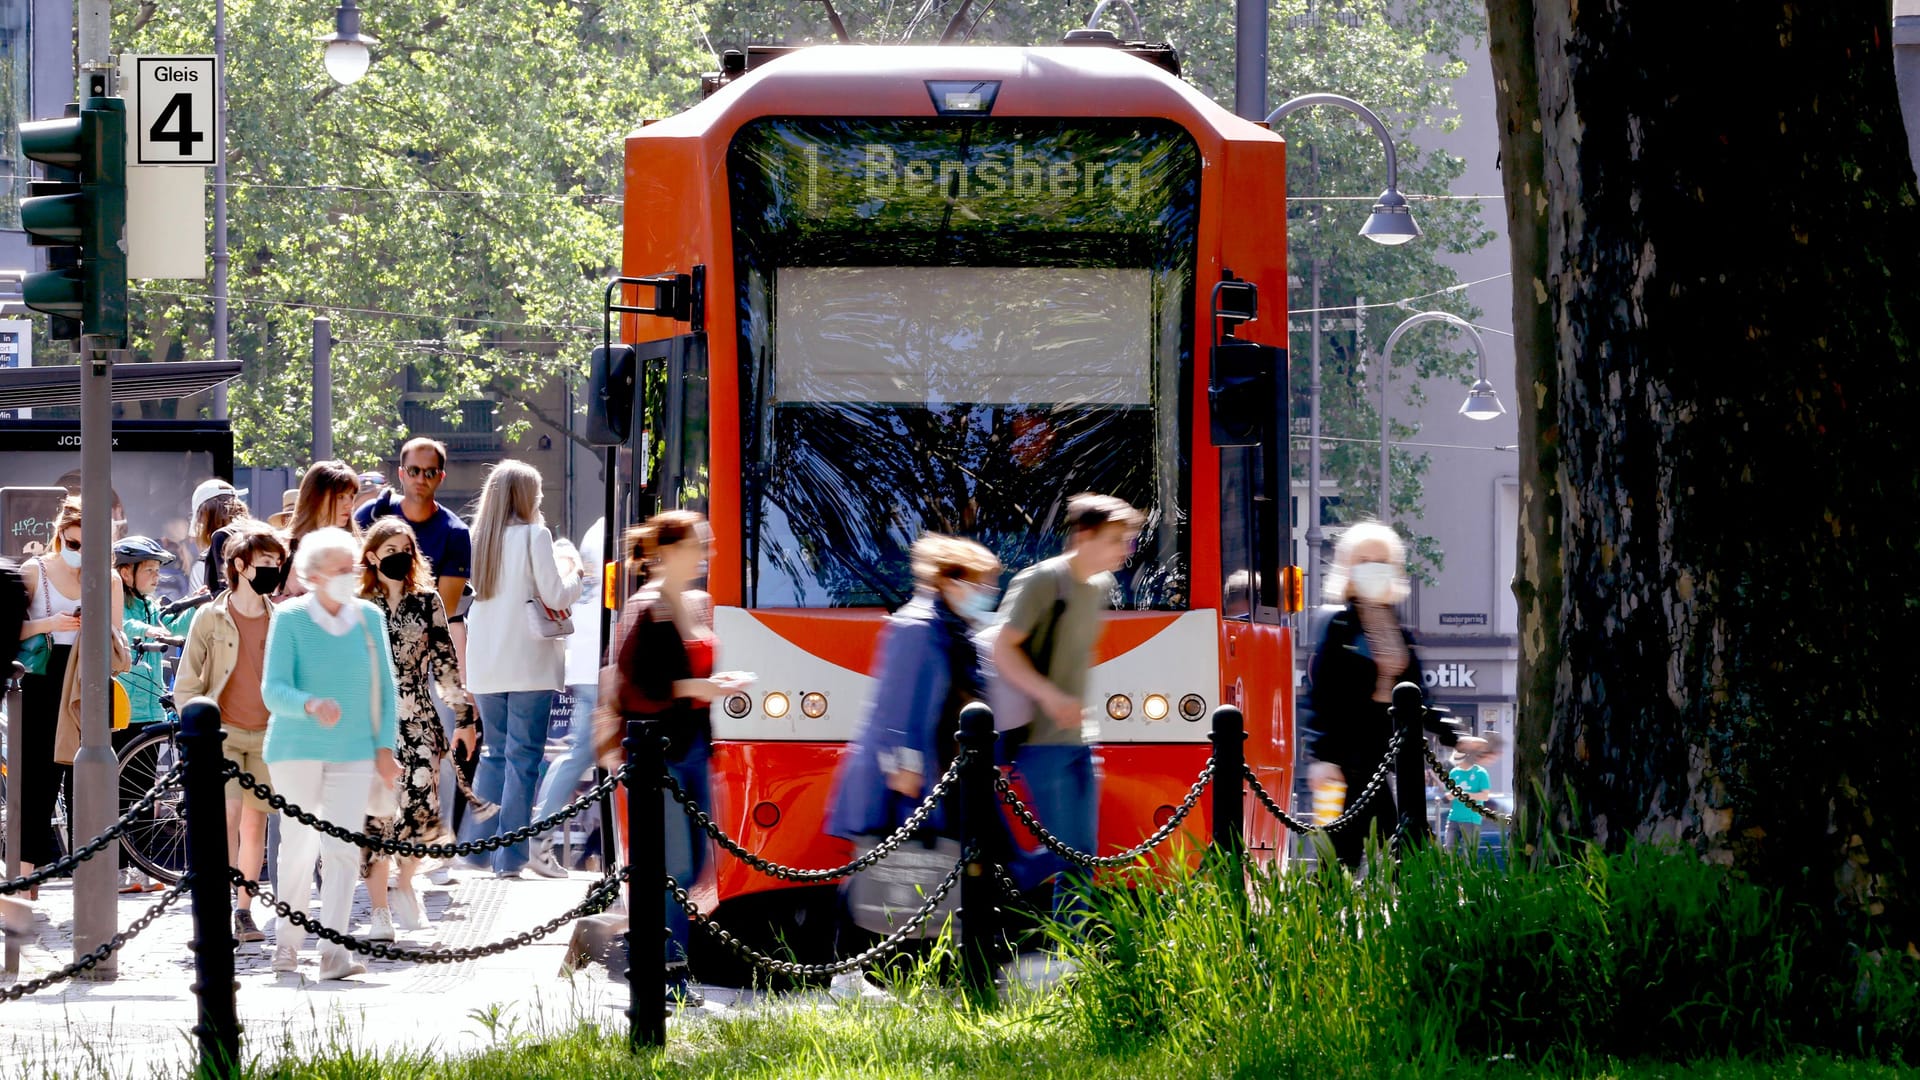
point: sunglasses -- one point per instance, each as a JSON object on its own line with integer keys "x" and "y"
{"x": 72, "y": 545}
{"x": 428, "y": 471}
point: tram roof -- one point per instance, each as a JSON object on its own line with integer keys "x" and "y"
{"x": 890, "y": 80}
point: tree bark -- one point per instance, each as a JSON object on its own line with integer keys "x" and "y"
{"x": 1716, "y": 243}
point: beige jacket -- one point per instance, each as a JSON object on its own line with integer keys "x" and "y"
{"x": 66, "y": 737}
{"x": 211, "y": 653}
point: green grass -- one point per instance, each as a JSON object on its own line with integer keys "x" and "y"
{"x": 1587, "y": 965}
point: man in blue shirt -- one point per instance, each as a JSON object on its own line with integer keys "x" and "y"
{"x": 441, "y": 536}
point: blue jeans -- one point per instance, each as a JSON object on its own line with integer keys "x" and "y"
{"x": 563, "y": 776}
{"x": 1060, "y": 784}
{"x": 686, "y": 845}
{"x": 514, "y": 726}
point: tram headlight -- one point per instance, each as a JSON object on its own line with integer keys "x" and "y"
{"x": 1192, "y": 707}
{"x": 776, "y": 704}
{"x": 813, "y": 705}
{"x": 738, "y": 705}
{"x": 1155, "y": 707}
{"x": 1119, "y": 707}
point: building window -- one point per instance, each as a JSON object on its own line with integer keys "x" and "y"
{"x": 16, "y": 74}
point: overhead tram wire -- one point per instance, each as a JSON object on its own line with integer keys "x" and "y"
{"x": 332, "y": 309}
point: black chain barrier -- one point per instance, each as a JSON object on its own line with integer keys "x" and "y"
{"x": 599, "y": 897}
{"x": 1124, "y": 858}
{"x": 416, "y": 849}
{"x": 884, "y": 947}
{"x": 106, "y": 949}
{"x": 914, "y": 823}
{"x": 1374, "y": 783}
{"x": 1478, "y": 807}
{"x": 66, "y": 864}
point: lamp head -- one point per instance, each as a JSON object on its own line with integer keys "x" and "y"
{"x": 348, "y": 51}
{"x": 1391, "y": 222}
{"x": 1482, "y": 403}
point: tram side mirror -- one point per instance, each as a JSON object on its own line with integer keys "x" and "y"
{"x": 1242, "y": 392}
{"x": 611, "y": 376}
{"x": 1236, "y": 302}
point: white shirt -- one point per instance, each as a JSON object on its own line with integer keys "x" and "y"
{"x": 504, "y": 655}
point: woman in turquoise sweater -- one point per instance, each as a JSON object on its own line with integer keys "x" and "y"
{"x": 328, "y": 684}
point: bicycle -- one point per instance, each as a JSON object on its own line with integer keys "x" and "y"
{"x": 157, "y": 844}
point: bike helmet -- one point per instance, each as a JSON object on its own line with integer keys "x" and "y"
{"x": 139, "y": 549}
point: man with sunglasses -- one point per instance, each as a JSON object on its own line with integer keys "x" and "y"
{"x": 439, "y": 534}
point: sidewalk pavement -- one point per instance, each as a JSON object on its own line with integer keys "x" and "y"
{"x": 140, "y": 1023}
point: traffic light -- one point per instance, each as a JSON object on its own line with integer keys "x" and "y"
{"x": 87, "y": 217}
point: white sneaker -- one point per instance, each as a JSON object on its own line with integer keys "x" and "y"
{"x": 853, "y": 986}
{"x": 407, "y": 912}
{"x": 286, "y": 954}
{"x": 347, "y": 969}
{"x": 544, "y": 864}
{"x": 380, "y": 926}
{"x": 441, "y": 875}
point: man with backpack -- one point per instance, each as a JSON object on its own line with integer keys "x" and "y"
{"x": 1042, "y": 653}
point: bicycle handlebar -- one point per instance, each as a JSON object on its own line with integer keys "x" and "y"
{"x": 177, "y": 606}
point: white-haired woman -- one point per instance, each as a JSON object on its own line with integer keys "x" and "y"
{"x": 1362, "y": 654}
{"x": 513, "y": 669}
{"x": 328, "y": 685}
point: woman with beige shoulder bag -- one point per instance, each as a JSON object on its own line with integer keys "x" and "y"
{"x": 516, "y": 651}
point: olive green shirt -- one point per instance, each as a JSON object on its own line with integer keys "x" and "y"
{"x": 1029, "y": 603}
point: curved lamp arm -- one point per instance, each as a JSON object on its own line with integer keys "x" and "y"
{"x": 1338, "y": 101}
{"x": 1099, "y": 9}
{"x": 1481, "y": 388}
{"x": 1448, "y": 317}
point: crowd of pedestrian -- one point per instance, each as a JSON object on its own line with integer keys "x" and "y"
{"x": 367, "y": 647}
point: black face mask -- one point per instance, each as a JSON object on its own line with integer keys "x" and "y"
{"x": 397, "y": 566}
{"x": 265, "y": 580}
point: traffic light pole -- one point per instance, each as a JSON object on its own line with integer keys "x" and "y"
{"x": 95, "y": 787}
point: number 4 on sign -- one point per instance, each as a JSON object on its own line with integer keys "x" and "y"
{"x": 179, "y": 114}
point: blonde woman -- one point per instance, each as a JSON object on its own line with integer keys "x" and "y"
{"x": 325, "y": 501}
{"x": 1362, "y": 654}
{"x": 513, "y": 669}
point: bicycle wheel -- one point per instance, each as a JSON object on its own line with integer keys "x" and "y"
{"x": 157, "y": 843}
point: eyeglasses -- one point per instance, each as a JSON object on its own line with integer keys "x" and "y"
{"x": 428, "y": 471}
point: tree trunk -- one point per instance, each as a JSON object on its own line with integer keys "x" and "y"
{"x": 1715, "y": 251}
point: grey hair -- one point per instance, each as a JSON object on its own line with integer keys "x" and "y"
{"x": 317, "y": 545}
{"x": 1336, "y": 589}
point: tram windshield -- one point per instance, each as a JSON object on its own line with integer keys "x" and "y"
{"x": 955, "y": 326}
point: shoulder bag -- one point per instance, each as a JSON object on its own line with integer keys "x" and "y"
{"x": 543, "y": 620}
{"x": 1012, "y": 709}
{"x": 383, "y": 797}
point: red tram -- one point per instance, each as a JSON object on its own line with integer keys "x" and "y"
{"x": 873, "y": 291}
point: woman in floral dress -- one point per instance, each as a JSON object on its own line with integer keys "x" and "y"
{"x": 399, "y": 581}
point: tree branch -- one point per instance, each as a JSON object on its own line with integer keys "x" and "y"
{"x": 533, "y": 409}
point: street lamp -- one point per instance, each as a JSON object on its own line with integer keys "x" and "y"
{"x": 1391, "y": 224}
{"x": 1482, "y": 403}
{"x": 348, "y": 51}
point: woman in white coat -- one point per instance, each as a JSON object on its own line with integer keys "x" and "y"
{"x": 513, "y": 669}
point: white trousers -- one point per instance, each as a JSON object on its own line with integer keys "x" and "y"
{"x": 335, "y": 792}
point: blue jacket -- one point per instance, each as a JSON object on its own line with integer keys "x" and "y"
{"x": 148, "y": 679}
{"x": 928, "y": 671}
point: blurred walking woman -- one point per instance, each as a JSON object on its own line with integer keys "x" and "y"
{"x": 46, "y": 647}
{"x": 328, "y": 683}
{"x": 1362, "y": 654}
{"x": 513, "y": 667}
{"x": 666, "y": 675}
{"x": 400, "y": 583}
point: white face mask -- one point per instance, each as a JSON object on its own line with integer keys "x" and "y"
{"x": 1374, "y": 582}
{"x": 341, "y": 589}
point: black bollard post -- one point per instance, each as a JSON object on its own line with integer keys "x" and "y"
{"x": 1229, "y": 788}
{"x": 647, "y": 865}
{"x": 217, "y": 1025}
{"x": 979, "y": 833}
{"x": 1410, "y": 770}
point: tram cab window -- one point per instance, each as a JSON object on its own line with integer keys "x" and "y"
{"x": 956, "y": 325}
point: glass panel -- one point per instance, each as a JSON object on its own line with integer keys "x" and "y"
{"x": 955, "y": 326}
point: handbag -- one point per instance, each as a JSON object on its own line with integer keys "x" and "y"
{"x": 38, "y": 649}
{"x": 383, "y": 797}
{"x": 891, "y": 891}
{"x": 543, "y": 620}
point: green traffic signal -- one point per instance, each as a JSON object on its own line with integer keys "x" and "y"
{"x": 90, "y": 217}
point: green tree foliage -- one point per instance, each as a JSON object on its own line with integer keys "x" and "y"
{"x": 470, "y": 181}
